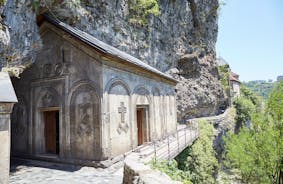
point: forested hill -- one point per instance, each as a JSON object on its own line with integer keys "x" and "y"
{"x": 260, "y": 87}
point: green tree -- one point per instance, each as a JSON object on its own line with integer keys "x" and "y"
{"x": 199, "y": 159}
{"x": 257, "y": 152}
{"x": 260, "y": 87}
{"x": 275, "y": 109}
{"x": 254, "y": 151}
{"x": 139, "y": 11}
{"x": 244, "y": 109}
{"x": 171, "y": 169}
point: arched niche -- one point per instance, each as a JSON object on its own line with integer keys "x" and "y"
{"x": 85, "y": 122}
{"x": 119, "y": 109}
{"x": 19, "y": 126}
{"x": 142, "y": 96}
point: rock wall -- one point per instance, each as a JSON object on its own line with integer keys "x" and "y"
{"x": 180, "y": 41}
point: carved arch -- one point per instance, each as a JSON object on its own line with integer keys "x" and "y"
{"x": 142, "y": 91}
{"x": 115, "y": 82}
{"x": 118, "y": 115}
{"x": 85, "y": 134}
{"x": 155, "y": 91}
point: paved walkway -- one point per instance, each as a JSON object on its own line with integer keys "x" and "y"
{"x": 36, "y": 172}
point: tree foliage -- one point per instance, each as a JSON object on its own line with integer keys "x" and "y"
{"x": 260, "y": 87}
{"x": 199, "y": 159}
{"x": 258, "y": 151}
{"x": 2, "y": 2}
{"x": 139, "y": 11}
{"x": 171, "y": 169}
{"x": 246, "y": 105}
{"x": 223, "y": 71}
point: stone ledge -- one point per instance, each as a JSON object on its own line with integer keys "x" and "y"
{"x": 138, "y": 173}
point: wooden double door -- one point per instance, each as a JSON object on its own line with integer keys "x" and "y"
{"x": 51, "y": 132}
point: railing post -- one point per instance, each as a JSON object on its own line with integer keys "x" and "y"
{"x": 178, "y": 139}
{"x": 168, "y": 143}
{"x": 185, "y": 129}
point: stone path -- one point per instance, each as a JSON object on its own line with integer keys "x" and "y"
{"x": 36, "y": 172}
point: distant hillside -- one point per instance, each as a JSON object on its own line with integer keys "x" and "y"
{"x": 260, "y": 87}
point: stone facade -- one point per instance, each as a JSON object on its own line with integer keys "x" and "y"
{"x": 7, "y": 100}
{"x": 91, "y": 97}
{"x": 235, "y": 84}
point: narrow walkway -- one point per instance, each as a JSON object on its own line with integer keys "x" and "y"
{"x": 168, "y": 148}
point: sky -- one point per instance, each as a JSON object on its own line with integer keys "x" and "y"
{"x": 250, "y": 38}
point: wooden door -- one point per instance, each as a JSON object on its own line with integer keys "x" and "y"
{"x": 140, "y": 125}
{"x": 50, "y": 131}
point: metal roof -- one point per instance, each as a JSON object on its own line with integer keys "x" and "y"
{"x": 104, "y": 47}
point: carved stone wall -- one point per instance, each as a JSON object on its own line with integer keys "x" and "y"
{"x": 119, "y": 118}
{"x": 19, "y": 127}
{"x": 94, "y": 124}
{"x": 121, "y": 86}
{"x": 85, "y": 123}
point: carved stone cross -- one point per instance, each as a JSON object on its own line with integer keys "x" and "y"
{"x": 122, "y": 110}
{"x": 123, "y": 126}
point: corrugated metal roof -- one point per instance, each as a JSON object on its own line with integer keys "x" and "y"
{"x": 103, "y": 47}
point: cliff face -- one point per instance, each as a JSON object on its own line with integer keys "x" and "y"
{"x": 180, "y": 40}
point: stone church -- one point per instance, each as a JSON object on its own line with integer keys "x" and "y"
{"x": 84, "y": 101}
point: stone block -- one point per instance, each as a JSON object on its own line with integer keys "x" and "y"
{"x": 7, "y": 100}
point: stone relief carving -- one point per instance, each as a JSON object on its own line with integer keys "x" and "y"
{"x": 58, "y": 69}
{"x": 84, "y": 121}
{"x": 85, "y": 118}
{"x": 143, "y": 98}
{"x": 123, "y": 126}
{"x": 48, "y": 99}
{"x": 54, "y": 70}
{"x": 19, "y": 120}
{"x": 47, "y": 70}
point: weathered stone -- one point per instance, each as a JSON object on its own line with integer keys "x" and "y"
{"x": 183, "y": 27}
{"x": 87, "y": 94}
{"x": 138, "y": 173}
{"x": 7, "y": 100}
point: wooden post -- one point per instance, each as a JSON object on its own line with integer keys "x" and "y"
{"x": 7, "y": 100}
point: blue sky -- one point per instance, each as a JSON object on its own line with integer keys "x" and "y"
{"x": 250, "y": 38}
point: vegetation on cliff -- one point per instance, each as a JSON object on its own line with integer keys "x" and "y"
{"x": 139, "y": 10}
{"x": 256, "y": 151}
{"x": 196, "y": 164}
{"x": 224, "y": 77}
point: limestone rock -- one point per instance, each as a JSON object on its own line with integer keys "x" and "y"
{"x": 183, "y": 36}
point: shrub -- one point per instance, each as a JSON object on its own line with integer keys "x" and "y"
{"x": 139, "y": 11}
